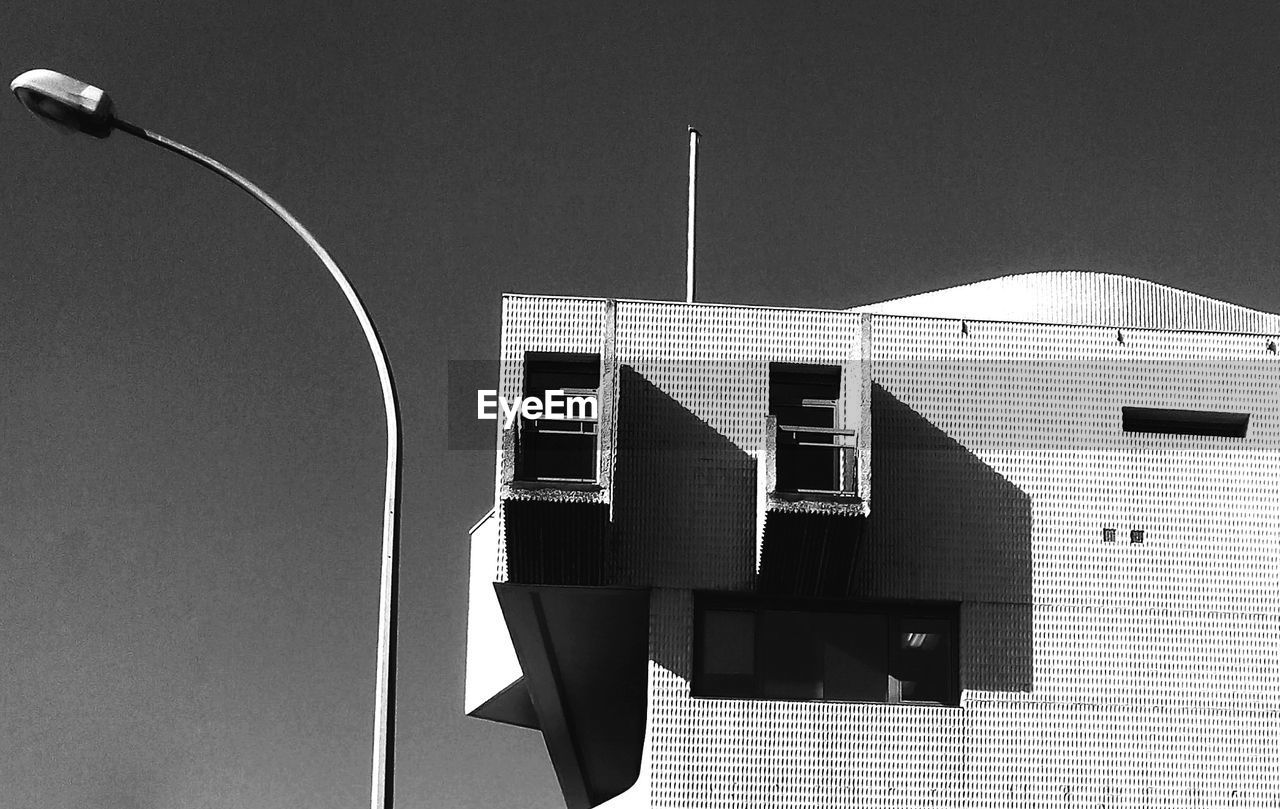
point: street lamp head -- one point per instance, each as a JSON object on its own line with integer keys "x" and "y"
{"x": 67, "y": 103}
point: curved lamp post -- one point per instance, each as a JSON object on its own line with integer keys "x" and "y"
{"x": 78, "y": 107}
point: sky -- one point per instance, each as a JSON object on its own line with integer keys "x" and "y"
{"x": 191, "y": 429}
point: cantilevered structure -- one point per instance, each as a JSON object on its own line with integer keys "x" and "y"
{"x": 1008, "y": 544}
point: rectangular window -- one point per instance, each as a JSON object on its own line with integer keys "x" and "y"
{"x": 1184, "y": 422}
{"x": 727, "y": 657}
{"x": 791, "y": 650}
{"x": 921, "y": 670}
{"x": 805, "y": 401}
{"x": 563, "y": 448}
{"x": 789, "y": 663}
{"x": 855, "y": 657}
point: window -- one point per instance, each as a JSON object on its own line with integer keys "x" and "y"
{"x": 805, "y": 399}
{"x": 1184, "y": 422}
{"x": 560, "y": 448}
{"x": 875, "y": 652}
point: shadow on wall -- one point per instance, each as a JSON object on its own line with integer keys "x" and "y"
{"x": 684, "y": 496}
{"x": 945, "y": 526}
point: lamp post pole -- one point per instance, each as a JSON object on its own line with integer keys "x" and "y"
{"x": 74, "y": 105}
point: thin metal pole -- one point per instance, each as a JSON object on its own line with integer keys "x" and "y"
{"x": 693, "y": 185}
{"x": 382, "y": 792}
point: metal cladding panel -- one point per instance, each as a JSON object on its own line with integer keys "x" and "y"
{"x": 533, "y": 323}
{"x": 1118, "y": 655}
{"x": 570, "y": 325}
{"x": 693, "y": 397}
{"x": 1093, "y": 673}
{"x": 556, "y": 543}
{"x": 1120, "y": 756}
{"x": 1000, "y": 459}
{"x": 742, "y": 753}
{"x": 1036, "y": 752}
{"x": 1082, "y": 298}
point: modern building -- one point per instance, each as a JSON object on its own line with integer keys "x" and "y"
{"x": 1012, "y": 544}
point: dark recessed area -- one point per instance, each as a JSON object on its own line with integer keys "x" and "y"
{"x": 1185, "y": 422}
{"x": 560, "y": 448}
{"x": 806, "y": 399}
{"x": 793, "y": 649}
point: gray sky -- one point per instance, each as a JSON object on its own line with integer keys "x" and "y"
{"x": 190, "y": 427}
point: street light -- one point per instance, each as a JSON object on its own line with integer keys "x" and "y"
{"x": 74, "y": 106}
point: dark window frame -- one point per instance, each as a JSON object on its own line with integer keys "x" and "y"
{"x": 807, "y": 396}
{"x": 548, "y": 443}
{"x": 895, "y": 614}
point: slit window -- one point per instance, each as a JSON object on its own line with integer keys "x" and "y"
{"x": 1184, "y": 422}
{"x": 560, "y": 445}
{"x": 795, "y": 651}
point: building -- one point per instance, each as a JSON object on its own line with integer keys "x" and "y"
{"x": 1012, "y": 544}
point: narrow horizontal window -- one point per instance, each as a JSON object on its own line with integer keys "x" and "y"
{"x": 1185, "y": 422}
{"x": 757, "y": 648}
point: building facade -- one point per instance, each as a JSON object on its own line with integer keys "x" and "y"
{"x": 1012, "y": 544}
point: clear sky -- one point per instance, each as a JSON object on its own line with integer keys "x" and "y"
{"x": 190, "y": 425}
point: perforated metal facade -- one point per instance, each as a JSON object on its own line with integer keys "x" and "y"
{"x": 1082, "y": 299}
{"x": 692, "y": 407}
{"x": 1119, "y": 630}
